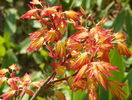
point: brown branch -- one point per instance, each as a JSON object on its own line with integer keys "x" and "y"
{"x": 48, "y": 82}
{"x": 43, "y": 85}
{"x": 63, "y": 79}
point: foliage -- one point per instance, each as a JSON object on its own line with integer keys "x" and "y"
{"x": 13, "y": 50}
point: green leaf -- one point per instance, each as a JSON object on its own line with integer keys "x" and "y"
{"x": 79, "y": 95}
{"x": 130, "y": 80}
{"x": 117, "y": 60}
{"x": 7, "y": 40}
{"x": 108, "y": 24}
{"x": 3, "y": 86}
{"x": 1, "y": 40}
{"x": 67, "y": 1}
{"x": 25, "y": 97}
{"x": 23, "y": 46}
{"x": 41, "y": 66}
{"x": 99, "y": 3}
{"x": 40, "y": 98}
{"x": 35, "y": 24}
{"x": 128, "y": 62}
{"x": 2, "y": 50}
{"x": 67, "y": 91}
{"x": 51, "y": 2}
{"x": 38, "y": 58}
{"x": 129, "y": 24}
{"x": 10, "y": 1}
{"x": 119, "y": 21}
{"x": 9, "y": 59}
{"x": 104, "y": 12}
{"x": 10, "y": 22}
{"x": 88, "y": 4}
{"x": 44, "y": 53}
{"x": 37, "y": 75}
{"x": 70, "y": 95}
{"x": 77, "y": 3}
{"x": 103, "y": 94}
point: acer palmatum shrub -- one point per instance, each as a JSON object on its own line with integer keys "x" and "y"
{"x": 85, "y": 53}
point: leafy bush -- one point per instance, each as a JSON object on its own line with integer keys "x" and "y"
{"x": 80, "y": 46}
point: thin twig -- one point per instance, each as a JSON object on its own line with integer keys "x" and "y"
{"x": 47, "y": 82}
{"x": 43, "y": 85}
{"x": 52, "y": 82}
{"x": 62, "y": 79}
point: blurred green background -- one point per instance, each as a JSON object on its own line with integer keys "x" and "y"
{"x": 14, "y": 40}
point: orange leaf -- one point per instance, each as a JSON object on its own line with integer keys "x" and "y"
{"x": 60, "y": 49}
{"x": 59, "y": 69}
{"x": 13, "y": 67}
{"x": 116, "y": 90}
{"x": 3, "y": 71}
{"x": 122, "y": 48}
{"x": 80, "y": 73}
{"x": 83, "y": 11}
{"x": 2, "y": 79}
{"x": 80, "y": 61}
{"x": 72, "y": 14}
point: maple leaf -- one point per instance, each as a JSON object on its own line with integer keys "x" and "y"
{"x": 116, "y": 90}
{"x": 51, "y": 36}
{"x": 80, "y": 73}
{"x": 72, "y": 14}
{"x": 49, "y": 11}
{"x": 122, "y": 48}
{"x": 59, "y": 69}
{"x": 2, "y": 79}
{"x": 80, "y": 84}
{"x": 13, "y": 67}
{"x": 36, "y": 44}
{"x": 99, "y": 70}
{"x": 31, "y": 13}
{"x": 74, "y": 45}
{"x": 80, "y": 61}
{"x": 3, "y": 71}
{"x": 60, "y": 49}
{"x": 37, "y": 34}
{"x": 61, "y": 25}
{"x": 80, "y": 36}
